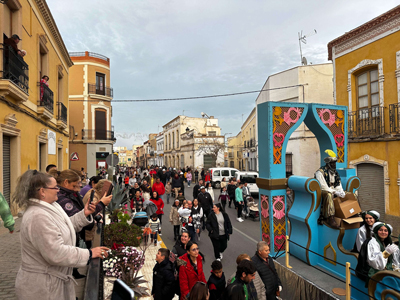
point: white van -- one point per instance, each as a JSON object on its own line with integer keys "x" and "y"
{"x": 250, "y": 178}
{"x": 218, "y": 173}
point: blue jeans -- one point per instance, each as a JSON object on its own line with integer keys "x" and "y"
{"x": 189, "y": 183}
{"x": 154, "y": 236}
{"x": 168, "y": 198}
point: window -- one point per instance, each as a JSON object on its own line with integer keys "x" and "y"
{"x": 212, "y": 133}
{"x": 368, "y": 94}
{"x": 100, "y": 84}
{"x": 233, "y": 173}
{"x": 225, "y": 173}
{"x": 177, "y": 139}
{"x": 216, "y": 173}
{"x": 173, "y": 140}
{"x": 231, "y": 164}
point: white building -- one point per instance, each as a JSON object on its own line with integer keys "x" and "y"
{"x": 160, "y": 149}
{"x": 310, "y": 84}
{"x": 192, "y": 142}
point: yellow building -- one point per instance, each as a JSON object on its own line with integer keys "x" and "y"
{"x": 90, "y": 94}
{"x": 33, "y": 116}
{"x": 367, "y": 79}
{"x": 249, "y": 152}
{"x": 235, "y": 147}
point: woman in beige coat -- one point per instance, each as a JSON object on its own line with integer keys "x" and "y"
{"x": 48, "y": 251}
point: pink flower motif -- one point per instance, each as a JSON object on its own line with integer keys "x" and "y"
{"x": 279, "y": 214}
{"x": 278, "y": 144}
{"x": 331, "y": 119}
{"x": 266, "y": 238}
{"x": 279, "y": 237}
{"x": 288, "y": 119}
{"x": 264, "y": 211}
{"x": 339, "y": 140}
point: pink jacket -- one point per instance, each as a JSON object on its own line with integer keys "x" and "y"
{"x": 189, "y": 176}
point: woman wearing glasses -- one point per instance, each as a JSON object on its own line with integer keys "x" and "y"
{"x": 192, "y": 272}
{"x": 48, "y": 239}
{"x": 69, "y": 198}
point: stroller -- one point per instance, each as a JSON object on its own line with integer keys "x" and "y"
{"x": 252, "y": 209}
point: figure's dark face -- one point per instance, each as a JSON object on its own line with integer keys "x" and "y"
{"x": 332, "y": 165}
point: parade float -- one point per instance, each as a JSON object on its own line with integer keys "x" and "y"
{"x": 321, "y": 246}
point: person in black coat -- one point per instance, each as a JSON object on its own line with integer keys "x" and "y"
{"x": 219, "y": 229}
{"x": 163, "y": 277}
{"x": 231, "y": 188}
{"x": 206, "y": 203}
{"x": 196, "y": 189}
{"x": 179, "y": 248}
{"x": 245, "y": 273}
{"x": 266, "y": 269}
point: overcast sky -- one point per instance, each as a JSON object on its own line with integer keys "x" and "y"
{"x": 169, "y": 49}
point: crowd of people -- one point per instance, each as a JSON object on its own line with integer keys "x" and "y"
{"x": 61, "y": 211}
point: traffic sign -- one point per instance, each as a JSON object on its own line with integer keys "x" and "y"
{"x": 74, "y": 156}
{"x": 112, "y": 160}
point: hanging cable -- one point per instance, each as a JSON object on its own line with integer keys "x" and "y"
{"x": 193, "y": 98}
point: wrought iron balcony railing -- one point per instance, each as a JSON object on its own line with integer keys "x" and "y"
{"x": 46, "y": 97}
{"x": 100, "y": 90}
{"x": 15, "y": 68}
{"x": 394, "y": 118}
{"x": 366, "y": 122}
{"x": 62, "y": 112}
{"x": 97, "y": 134}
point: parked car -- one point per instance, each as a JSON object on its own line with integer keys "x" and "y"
{"x": 250, "y": 178}
{"x": 218, "y": 173}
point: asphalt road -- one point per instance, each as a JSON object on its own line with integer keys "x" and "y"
{"x": 243, "y": 240}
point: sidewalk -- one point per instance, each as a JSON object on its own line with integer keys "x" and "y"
{"x": 10, "y": 260}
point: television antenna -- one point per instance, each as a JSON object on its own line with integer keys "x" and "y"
{"x": 303, "y": 39}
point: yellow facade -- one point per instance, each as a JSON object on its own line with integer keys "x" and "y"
{"x": 90, "y": 94}
{"x": 372, "y": 49}
{"x": 33, "y": 126}
{"x": 249, "y": 147}
{"x": 235, "y": 155}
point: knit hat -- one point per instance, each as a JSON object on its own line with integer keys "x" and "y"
{"x": 372, "y": 213}
{"x": 378, "y": 225}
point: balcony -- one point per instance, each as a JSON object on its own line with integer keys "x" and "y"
{"x": 100, "y": 90}
{"x": 16, "y": 72}
{"x": 98, "y": 134}
{"x": 394, "y": 118}
{"x": 46, "y": 102}
{"x": 230, "y": 155}
{"x": 62, "y": 116}
{"x": 366, "y": 122}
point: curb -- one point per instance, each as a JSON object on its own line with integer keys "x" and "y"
{"x": 162, "y": 245}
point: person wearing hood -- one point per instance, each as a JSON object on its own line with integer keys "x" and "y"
{"x": 365, "y": 232}
{"x": 331, "y": 187}
{"x": 382, "y": 253}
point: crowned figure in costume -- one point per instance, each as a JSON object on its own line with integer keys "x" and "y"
{"x": 331, "y": 187}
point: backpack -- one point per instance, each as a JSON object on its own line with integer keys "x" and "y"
{"x": 363, "y": 267}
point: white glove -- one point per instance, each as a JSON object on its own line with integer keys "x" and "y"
{"x": 391, "y": 248}
{"x": 280, "y": 288}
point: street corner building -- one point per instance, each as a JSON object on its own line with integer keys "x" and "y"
{"x": 366, "y": 64}
{"x": 92, "y": 134}
{"x": 33, "y": 111}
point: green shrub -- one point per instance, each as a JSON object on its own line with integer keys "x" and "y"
{"x": 122, "y": 233}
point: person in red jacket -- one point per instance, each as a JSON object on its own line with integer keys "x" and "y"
{"x": 192, "y": 272}
{"x": 159, "y": 203}
{"x": 158, "y": 187}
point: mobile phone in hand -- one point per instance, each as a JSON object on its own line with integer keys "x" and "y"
{"x": 122, "y": 291}
{"x": 107, "y": 188}
{"x": 91, "y": 197}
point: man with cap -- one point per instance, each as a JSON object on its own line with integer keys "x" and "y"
{"x": 13, "y": 41}
{"x": 331, "y": 187}
{"x": 206, "y": 203}
{"x": 382, "y": 253}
